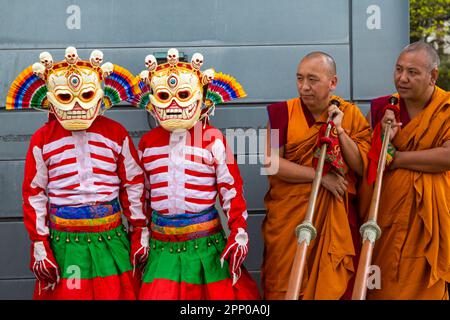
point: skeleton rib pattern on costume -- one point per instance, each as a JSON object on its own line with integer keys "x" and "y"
{"x": 81, "y": 168}
{"x": 187, "y": 175}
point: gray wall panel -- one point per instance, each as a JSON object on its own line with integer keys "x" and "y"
{"x": 243, "y": 127}
{"x": 20, "y": 122}
{"x": 376, "y": 44}
{"x": 116, "y": 23}
{"x": 267, "y": 73}
{"x": 133, "y": 119}
{"x": 240, "y": 116}
{"x": 256, "y": 275}
{"x": 15, "y": 251}
{"x": 255, "y": 184}
{"x": 16, "y": 148}
{"x": 11, "y": 177}
{"x": 365, "y": 107}
{"x": 256, "y": 246}
{"x": 17, "y": 289}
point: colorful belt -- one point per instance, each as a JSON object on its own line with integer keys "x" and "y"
{"x": 95, "y": 218}
{"x": 185, "y": 226}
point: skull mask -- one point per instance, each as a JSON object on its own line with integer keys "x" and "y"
{"x": 75, "y": 97}
{"x": 176, "y": 99}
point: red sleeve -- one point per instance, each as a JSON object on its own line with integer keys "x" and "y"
{"x": 131, "y": 183}
{"x": 229, "y": 183}
{"x": 35, "y": 213}
{"x": 376, "y": 109}
{"x": 147, "y": 203}
{"x": 278, "y": 119}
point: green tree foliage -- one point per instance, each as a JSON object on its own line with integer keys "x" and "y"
{"x": 430, "y": 21}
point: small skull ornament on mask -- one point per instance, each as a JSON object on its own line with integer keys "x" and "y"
{"x": 46, "y": 59}
{"x": 144, "y": 76}
{"x": 197, "y": 61}
{"x": 208, "y": 76}
{"x": 38, "y": 70}
{"x": 96, "y": 58}
{"x": 172, "y": 56}
{"x": 150, "y": 62}
{"x": 71, "y": 55}
{"x": 107, "y": 69}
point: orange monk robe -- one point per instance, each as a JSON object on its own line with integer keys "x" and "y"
{"x": 413, "y": 252}
{"x": 329, "y": 257}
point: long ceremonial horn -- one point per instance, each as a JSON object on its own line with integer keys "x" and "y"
{"x": 306, "y": 232}
{"x": 370, "y": 230}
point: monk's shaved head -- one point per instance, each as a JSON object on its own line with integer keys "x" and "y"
{"x": 316, "y": 79}
{"x": 329, "y": 61}
{"x": 433, "y": 57}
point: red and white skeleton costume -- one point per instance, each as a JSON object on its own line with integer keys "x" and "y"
{"x": 187, "y": 166}
{"x": 81, "y": 173}
{"x": 187, "y": 170}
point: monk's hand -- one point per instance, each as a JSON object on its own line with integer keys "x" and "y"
{"x": 396, "y": 161}
{"x": 336, "y": 184}
{"x": 389, "y": 117}
{"x": 336, "y": 115}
